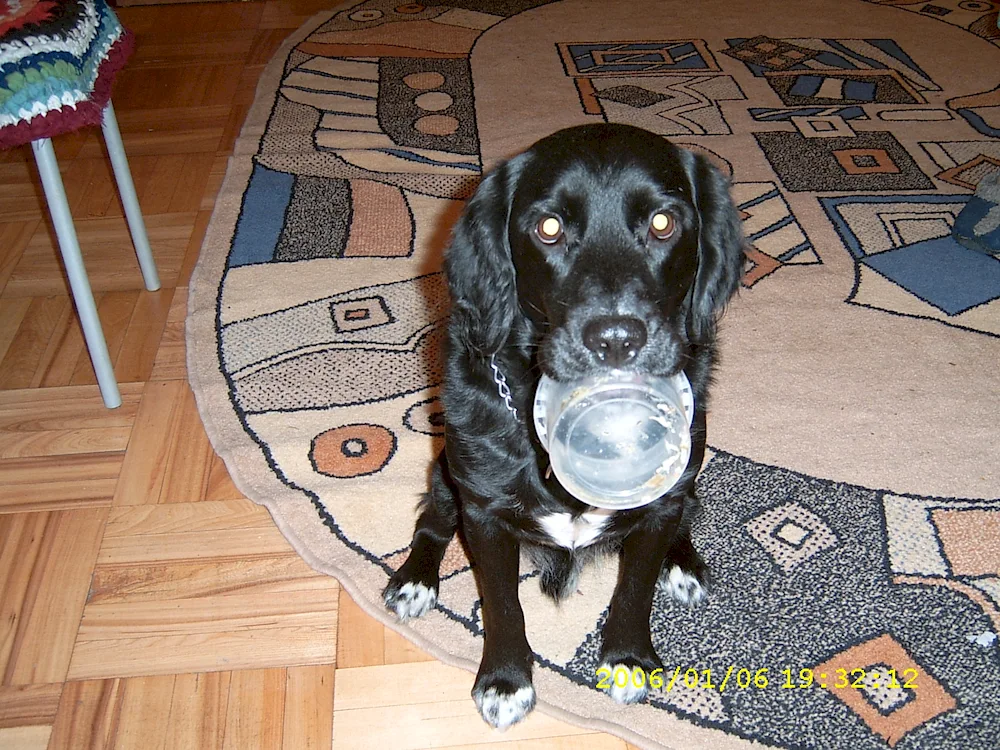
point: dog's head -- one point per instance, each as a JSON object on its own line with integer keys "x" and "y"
{"x": 614, "y": 247}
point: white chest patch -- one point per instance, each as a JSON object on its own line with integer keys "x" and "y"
{"x": 571, "y": 533}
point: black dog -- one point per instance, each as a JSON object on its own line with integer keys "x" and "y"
{"x": 602, "y": 246}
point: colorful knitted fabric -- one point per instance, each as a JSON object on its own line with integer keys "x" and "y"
{"x": 58, "y": 59}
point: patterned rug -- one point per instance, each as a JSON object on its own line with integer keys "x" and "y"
{"x": 852, "y": 500}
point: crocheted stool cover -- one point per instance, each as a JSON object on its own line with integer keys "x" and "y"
{"x": 58, "y": 59}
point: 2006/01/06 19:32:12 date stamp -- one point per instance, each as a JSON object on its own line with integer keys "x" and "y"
{"x": 743, "y": 678}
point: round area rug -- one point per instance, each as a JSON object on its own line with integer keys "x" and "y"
{"x": 852, "y": 497}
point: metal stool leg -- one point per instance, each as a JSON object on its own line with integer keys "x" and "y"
{"x": 55, "y": 195}
{"x": 126, "y": 189}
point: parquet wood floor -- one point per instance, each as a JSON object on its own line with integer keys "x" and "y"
{"x": 144, "y": 602}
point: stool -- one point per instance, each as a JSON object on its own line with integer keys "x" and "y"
{"x": 58, "y": 59}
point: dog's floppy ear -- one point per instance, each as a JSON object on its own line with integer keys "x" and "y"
{"x": 479, "y": 267}
{"x": 721, "y": 256}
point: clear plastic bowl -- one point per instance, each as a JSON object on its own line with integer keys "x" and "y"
{"x": 618, "y": 440}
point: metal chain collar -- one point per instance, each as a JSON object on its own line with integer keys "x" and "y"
{"x": 502, "y": 388}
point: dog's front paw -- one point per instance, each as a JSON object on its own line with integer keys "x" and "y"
{"x": 501, "y": 703}
{"x": 626, "y": 683}
{"x": 409, "y": 599}
{"x": 684, "y": 586}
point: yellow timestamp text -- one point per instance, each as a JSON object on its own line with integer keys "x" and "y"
{"x": 744, "y": 678}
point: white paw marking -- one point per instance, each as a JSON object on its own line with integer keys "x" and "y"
{"x": 684, "y": 587}
{"x": 412, "y": 600}
{"x": 501, "y": 710}
{"x": 628, "y": 685}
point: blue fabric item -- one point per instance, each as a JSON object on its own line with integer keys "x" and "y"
{"x": 978, "y": 224}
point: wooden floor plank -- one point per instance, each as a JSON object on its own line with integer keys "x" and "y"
{"x": 45, "y": 565}
{"x": 271, "y": 709}
{"x": 299, "y": 643}
{"x": 59, "y": 421}
{"x": 189, "y": 454}
{"x": 220, "y": 484}
{"x": 141, "y": 335}
{"x": 198, "y": 707}
{"x": 78, "y": 176}
{"x": 168, "y": 186}
{"x": 366, "y": 642}
{"x": 145, "y": 463}
{"x": 432, "y": 701}
{"x": 88, "y": 715}
{"x": 59, "y": 482}
{"x": 210, "y": 616}
{"x": 199, "y": 229}
{"x": 290, "y": 14}
{"x": 174, "y": 121}
{"x": 220, "y": 530}
{"x": 362, "y": 642}
{"x": 201, "y": 587}
{"x": 169, "y": 362}
{"x": 197, "y": 47}
{"x": 14, "y": 237}
{"x": 246, "y": 89}
{"x": 21, "y": 196}
{"x": 70, "y": 146}
{"x": 308, "y": 716}
{"x": 145, "y": 713}
{"x": 195, "y": 85}
{"x": 396, "y": 684}
{"x": 255, "y": 719}
{"x": 429, "y": 725}
{"x": 108, "y": 255}
{"x": 169, "y": 458}
{"x": 63, "y": 349}
{"x": 159, "y": 581}
{"x": 101, "y": 192}
{"x": 25, "y": 738}
{"x": 166, "y": 22}
{"x": 29, "y": 705}
{"x": 13, "y": 311}
{"x": 27, "y": 349}
{"x": 398, "y": 650}
{"x": 67, "y": 360}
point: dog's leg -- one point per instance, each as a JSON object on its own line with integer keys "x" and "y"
{"x": 503, "y": 691}
{"x": 413, "y": 589}
{"x": 627, "y": 644}
{"x": 684, "y": 575}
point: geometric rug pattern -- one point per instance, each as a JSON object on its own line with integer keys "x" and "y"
{"x": 904, "y": 242}
{"x": 851, "y": 497}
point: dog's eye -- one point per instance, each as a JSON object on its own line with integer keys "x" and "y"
{"x": 662, "y": 225}
{"x": 549, "y": 230}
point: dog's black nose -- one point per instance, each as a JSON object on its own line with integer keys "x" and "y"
{"x": 615, "y": 340}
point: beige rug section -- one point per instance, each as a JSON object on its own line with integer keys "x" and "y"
{"x": 852, "y": 502}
